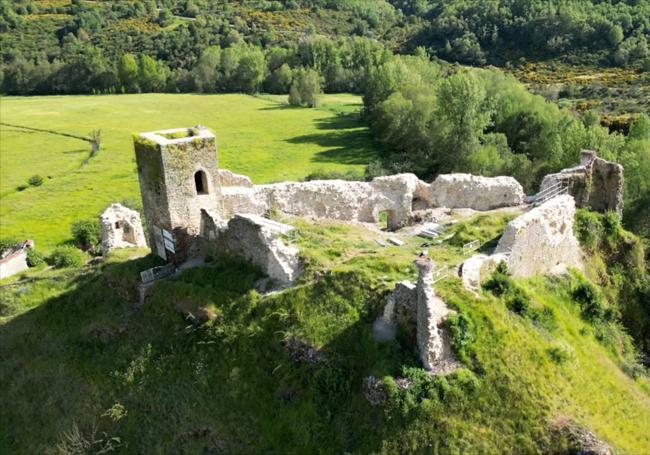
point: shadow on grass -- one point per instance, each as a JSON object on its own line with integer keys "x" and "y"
{"x": 227, "y": 385}
{"x": 346, "y": 137}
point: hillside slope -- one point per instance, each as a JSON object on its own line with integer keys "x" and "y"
{"x": 283, "y": 373}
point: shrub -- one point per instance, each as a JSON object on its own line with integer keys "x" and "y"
{"x": 87, "y": 235}
{"x": 560, "y": 352}
{"x": 35, "y": 180}
{"x": 588, "y": 228}
{"x": 518, "y": 301}
{"x": 67, "y": 256}
{"x": 499, "y": 283}
{"x": 590, "y": 301}
{"x": 22, "y": 187}
{"x": 34, "y": 258}
{"x": 7, "y": 244}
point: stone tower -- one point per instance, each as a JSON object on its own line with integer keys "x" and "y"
{"x": 178, "y": 177}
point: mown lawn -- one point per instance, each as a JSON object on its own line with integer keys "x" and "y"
{"x": 258, "y": 136}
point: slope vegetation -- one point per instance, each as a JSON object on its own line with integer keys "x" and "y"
{"x": 284, "y": 372}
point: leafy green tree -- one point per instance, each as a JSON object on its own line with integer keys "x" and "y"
{"x": 206, "y": 71}
{"x": 307, "y": 85}
{"x": 151, "y": 74}
{"x": 465, "y": 114}
{"x": 127, "y": 70}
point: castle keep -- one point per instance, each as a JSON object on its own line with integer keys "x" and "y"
{"x": 177, "y": 170}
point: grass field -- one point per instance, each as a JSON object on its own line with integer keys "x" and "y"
{"x": 261, "y": 137}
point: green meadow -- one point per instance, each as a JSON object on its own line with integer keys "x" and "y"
{"x": 261, "y": 137}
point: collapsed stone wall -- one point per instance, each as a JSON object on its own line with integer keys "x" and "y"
{"x": 476, "y": 192}
{"x": 14, "y": 260}
{"x": 542, "y": 241}
{"x": 596, "y": 183}
{"x": 397, "y": 195}
{"x": 258, "y": 240}
{"x": 415, "y": 307}
{"x": 121, "y": 228}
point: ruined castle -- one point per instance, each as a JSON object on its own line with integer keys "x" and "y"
{"x": 193, "y": 210}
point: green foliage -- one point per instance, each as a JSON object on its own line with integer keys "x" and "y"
{"x": 590, "y": 301}
{"x": 66, "y": 256}
{"x": 35, "y": 180}
{"x": 306, "y": 87}
{"x": 7, "y": 244}
{"x": 35, "y": 258}
{"x": 86, "y": 235}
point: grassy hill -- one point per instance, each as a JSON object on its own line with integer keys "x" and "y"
{"x": 79, "y": 370}
{"x": 261, "y": 137}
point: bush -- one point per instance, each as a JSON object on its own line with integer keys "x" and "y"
{"x": 87, "y": 235}
{"x": 35, "y": 180}
{"x": 8, "y": 244}
{"x": 588, "y": 229}
{"x": 34, "y": 258}
{"x": 67, "y": 256}
{"x": 590, "y": 301}
{"x": 499, "y": 283}
{"x": 518, "y": 301}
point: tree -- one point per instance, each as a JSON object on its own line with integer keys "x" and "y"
{"x": 464, "y": 114}
{"x": 280, "y": 80}
{"x": 127, "y": 71}
{"x": 307, "y": 85}
{"x": 615, "y": 35}
{"x": 151, "y": 74}
{"x": 206, "y": 71}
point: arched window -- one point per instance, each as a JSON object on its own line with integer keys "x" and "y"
{"x": 201, "y": 182}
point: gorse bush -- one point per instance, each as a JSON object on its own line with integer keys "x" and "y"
{"x": 67, "y": 256}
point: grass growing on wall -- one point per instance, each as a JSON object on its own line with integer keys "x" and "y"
{"x": 261, "y": 137}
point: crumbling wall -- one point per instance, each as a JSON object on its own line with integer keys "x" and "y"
{"x": 478, "y": 267}
{"x": 397, "y": 195}
{"x": 121, "y": 228}
{"x": 596, "y": 183}
{"x": 541, "y": 241}
{"x": 433, "y": 343}
{"x": 228, "y": 178}
{"x": 257, "y": 240}
{"x": 476, "y": 192}
{"x": 14, "y": 261}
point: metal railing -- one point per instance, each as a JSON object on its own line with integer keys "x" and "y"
{"x": 471, "y": 246}
{"x": 557, "y": 189}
